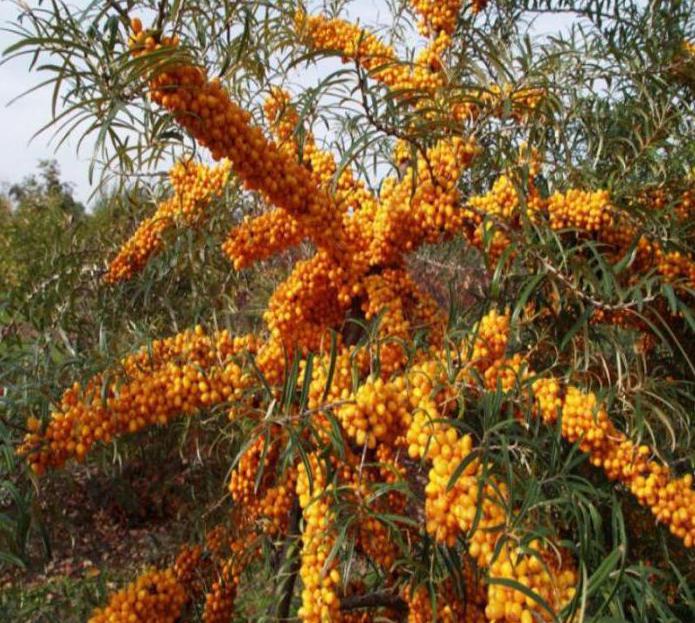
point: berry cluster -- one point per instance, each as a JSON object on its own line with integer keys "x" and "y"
{"x": 320, "y": 575}
{"x": 219, "y": 601}
{"x": 261, "y": 237}
{"x": 265, "y": 235}
{"x": 255, "y": 487}
{"x": 154, "y": 597}
{"x": 143, "y": 41}
{"x": 437, "y": 17}
{"x": 187, "y": 564}
{"x": 195, "y": 186}
{"x": 375, "y": 411}
{"x": 174, "y": 376}
{"x": 254, "y": 473}
{"x": 422, "y": 84}
{"x": 424, "y": 205}
{"x": 203, "y": 107}
{"x": 584, "y": 421}
{"x": 577, "y": 209}
{"x": 217, "y": 541}
{"x": 379, "y": 59}
{"x": 586, "y": 212}
{"x": 450, "y": 607}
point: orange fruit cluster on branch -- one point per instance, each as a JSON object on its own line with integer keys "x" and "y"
{"x": 255, "y": 486}
{"x": 366, "y": 49}
{"x": 203, "y": 107}
{"x": 187, "y": 565}
{"x": 320, "y": 290}
{"x": 576, "y": 209}
{"x": 468, "y": 505}
{"x": 219, "y": 602}
{"x": 421, "y": 83}
{"x": 195, "y": 185}
{"x": 496, "y": 216}
{"x": 174, "y": 376}
{"x": 584, "y": 421}
{"x": 142, "y": 41}
{"x": 154, "y": 597}
{"x": 265, "y": 235}
{"x": 450, "y": 607}
{"x": 439, "y": 17}
{"x": 262, "y": 237}
{"x": 320, "y": 576}
{"x": 424, "y": 205}
{"x": 586, "y": 212}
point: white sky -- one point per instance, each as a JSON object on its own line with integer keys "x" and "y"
{"x": 19, "y": 155}
{"x": 18, "y": 122}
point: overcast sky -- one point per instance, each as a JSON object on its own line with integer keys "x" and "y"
{"x": 19, "y": 154}
{"x": 19, "y": 121}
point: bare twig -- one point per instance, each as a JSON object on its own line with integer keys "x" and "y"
{"x": 120, "y": 10}
{"x": 389, "y": 130}
{"x": 557, "y": 273}
{"x": 13, "y": 426}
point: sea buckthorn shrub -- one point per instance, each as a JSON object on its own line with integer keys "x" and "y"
{"x": 395, "y": 455}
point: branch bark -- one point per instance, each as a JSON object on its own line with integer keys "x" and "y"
{"x": 379, "y": 599}
{"x": 290, "y": 556}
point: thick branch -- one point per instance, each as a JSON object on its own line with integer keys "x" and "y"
{"x": 379, "y": 599}
{"x": 289, "y": 555}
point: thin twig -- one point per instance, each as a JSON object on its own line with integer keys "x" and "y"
{"x": 161, "y": 14}
{"x": 389, "y": 130}
{"x": 120, "y": 10}
{"x": 9, "y": 424}
{"x": 587, "y": 297}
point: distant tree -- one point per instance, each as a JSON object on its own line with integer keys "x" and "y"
{"x": 39, "y": 218}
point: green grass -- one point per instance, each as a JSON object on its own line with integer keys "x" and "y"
{"x": 64, "y": 599}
